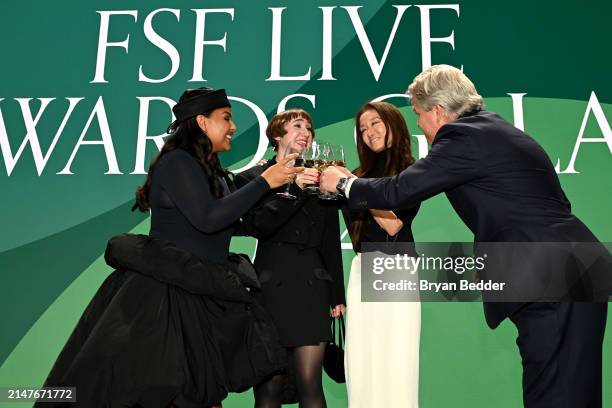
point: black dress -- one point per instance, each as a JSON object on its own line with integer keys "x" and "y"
{"x": 298, "y": 259}
{"x": 173, "y": 324}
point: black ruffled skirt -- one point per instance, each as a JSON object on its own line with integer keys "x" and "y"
{"x": 166, "y": 328}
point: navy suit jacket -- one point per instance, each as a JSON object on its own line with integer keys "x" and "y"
{"x": 498, "y": 179}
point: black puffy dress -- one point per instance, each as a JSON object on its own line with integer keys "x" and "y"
{"x": 173, "y": 324}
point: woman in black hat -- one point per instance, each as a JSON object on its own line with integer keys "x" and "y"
{"x": 174, "y": 325}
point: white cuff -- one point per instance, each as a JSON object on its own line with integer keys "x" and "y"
{"x": 349, "y": 183}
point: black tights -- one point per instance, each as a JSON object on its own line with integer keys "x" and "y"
{"x": 308, "y": 368}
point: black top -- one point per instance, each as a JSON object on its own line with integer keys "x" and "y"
{"x": 304, "y": 223}
{"x": 184, "y": 211}
{"x": 370, "y": 230}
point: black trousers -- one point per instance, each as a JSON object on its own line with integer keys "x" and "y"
{"x": 561, "y": 348}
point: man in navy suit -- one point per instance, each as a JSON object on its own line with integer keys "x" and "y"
{"x": 505, "y": 189}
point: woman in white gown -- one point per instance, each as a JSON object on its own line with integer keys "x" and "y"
{"x": 382, "y": 339}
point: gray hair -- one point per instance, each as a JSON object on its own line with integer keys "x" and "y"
{"x": 445, "y": 86}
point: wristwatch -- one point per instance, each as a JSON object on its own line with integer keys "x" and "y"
{"x": 341, "y": 186}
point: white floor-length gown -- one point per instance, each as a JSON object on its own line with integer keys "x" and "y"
{"x": 382, "y": 349}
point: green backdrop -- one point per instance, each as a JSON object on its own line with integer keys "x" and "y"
{"x": 55, "y": 226}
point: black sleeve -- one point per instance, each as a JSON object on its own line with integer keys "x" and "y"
{"x": 183, "y": 180}
{"x": 271, "y": 212}
{"x": 452, "y": 160}
{"x": 332, "y": 255}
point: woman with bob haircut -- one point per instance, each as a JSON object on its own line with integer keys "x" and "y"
{"x": 174, "y": 325}
{"x": 299, "y": 262}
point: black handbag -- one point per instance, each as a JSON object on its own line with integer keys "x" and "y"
{"x": 333, "y": 362}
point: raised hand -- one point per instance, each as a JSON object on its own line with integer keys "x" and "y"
{"x": 307, "y": 177}
{"x": 281, "y": 173}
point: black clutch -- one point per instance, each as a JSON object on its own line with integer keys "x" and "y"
{"x": 333, "y": 362}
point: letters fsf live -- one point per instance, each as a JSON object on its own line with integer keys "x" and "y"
{"x": 228, "y": 14}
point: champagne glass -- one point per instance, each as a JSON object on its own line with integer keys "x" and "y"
{"x": 338, "y": 153}
{"x": 326, "y": 159}
{"x": 311, "y": 155}
{"x": 334, "y": 158}
{"x": 339, "y": 162}
{"x": 298, "y": 162}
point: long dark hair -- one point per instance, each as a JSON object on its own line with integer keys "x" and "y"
{"x": 398, "y": 157}
{"x": 186, "y": 135}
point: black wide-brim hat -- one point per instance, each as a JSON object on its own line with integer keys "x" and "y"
{"x": 200, "y": 104}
